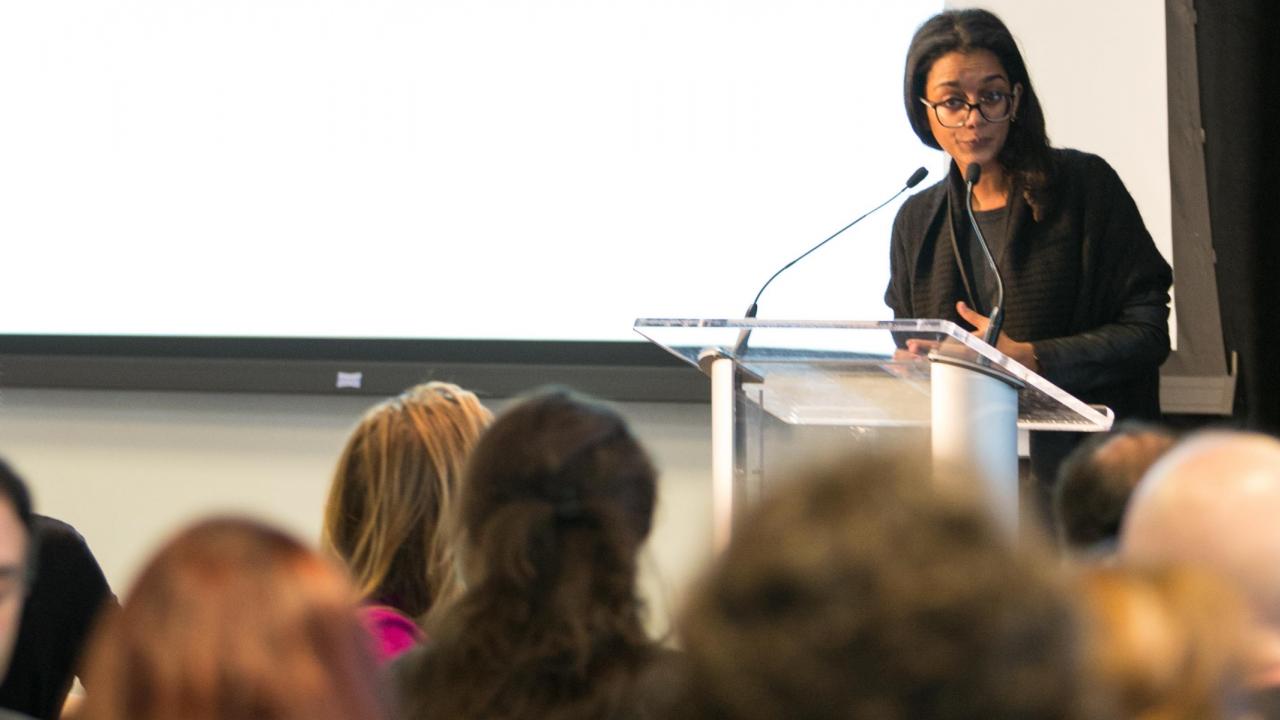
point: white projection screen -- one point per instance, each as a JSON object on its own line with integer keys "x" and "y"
{"x": 543, "y": 170}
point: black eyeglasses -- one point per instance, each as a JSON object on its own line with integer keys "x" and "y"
{"x": 994, "y": 106}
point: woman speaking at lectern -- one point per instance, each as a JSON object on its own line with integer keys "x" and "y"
{"x": 1085, "y": 291}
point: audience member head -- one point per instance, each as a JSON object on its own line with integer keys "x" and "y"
{"x": 16, "y": 553}
{"x": 863, "y": 590}
{"x": 1214, "y": 502}
{"x": 558, "y": 498}
{"x": 233, "y": 620}
{"x": 1096, "y": 480}
{"x": 393, "y": 493}
{"x": 1166, "y": 643}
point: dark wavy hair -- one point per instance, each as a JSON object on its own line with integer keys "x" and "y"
{"x": 14, "y": 489}
{"x": 1025, "y": 155}
{"x": 556, "y": 501}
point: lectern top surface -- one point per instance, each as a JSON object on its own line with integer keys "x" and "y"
{"x": 831, "y": 371}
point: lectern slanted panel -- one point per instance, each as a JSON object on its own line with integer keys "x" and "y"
{"x": 857, "y": 373}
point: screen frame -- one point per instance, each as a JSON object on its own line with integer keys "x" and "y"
{"x": 619, "y": 370}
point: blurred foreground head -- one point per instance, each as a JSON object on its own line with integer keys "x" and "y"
{"x": 1166, "y": 643}
{"x": 863, "y": 591}
{"x": 233, "y": 620}
{"x": 1214, "y": 502}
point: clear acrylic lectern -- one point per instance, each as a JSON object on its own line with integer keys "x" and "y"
{"x": 787, "y": 391}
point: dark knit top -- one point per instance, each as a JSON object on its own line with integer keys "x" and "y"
{"x": 1084, "y": 283}
{"x": 57, "y": 617}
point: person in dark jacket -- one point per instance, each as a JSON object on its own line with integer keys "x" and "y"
{"x": 1086, "y": 290}
{"x": 66, "y": 597}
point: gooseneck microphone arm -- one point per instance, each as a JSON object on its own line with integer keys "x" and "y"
{"x": 996, "y": 317}
{"x": 745, "y": 334}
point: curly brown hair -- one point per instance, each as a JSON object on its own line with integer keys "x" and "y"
{"x": 864, "y": 590}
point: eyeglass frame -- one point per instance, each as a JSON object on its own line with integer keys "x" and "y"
{"x": 970, "y": 107}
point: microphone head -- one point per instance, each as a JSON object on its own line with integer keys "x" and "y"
{"x": 916, "y": 177}
{"x": 972, "y": 173}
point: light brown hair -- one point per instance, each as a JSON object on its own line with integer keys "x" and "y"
{"x": 390, "y": 504}
{"x": 1167, "y": 643}
{"x": 233, "y": 620}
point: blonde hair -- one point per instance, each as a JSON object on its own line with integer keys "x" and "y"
{"x": 1167, "y": 643}
{"x": 388, "y": 516}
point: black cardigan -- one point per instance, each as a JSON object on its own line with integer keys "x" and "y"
{"x": 1084, "y": 284}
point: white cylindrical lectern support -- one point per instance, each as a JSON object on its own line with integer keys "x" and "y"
{"x": 975, "y": 431}
{"x": 723, "y": 402}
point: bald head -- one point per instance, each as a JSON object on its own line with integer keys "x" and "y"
{"x": 1214, "y": 501}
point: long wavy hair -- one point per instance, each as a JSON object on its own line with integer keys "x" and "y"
{"x": 233, "y": 620}
{"x": 393, "y": 491}
{"x": 558, "y": 499}
{"x": 1025, "y": 155}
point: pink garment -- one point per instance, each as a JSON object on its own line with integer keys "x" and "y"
{"x": 392, "y": 631}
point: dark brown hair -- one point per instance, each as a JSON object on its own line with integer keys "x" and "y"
{"x": 1095, "y": 482}
{"x": 1025, "y": 155}
{"x": 233, "y": 620}
{"x": 558, "y": 498}
{"x": 14, "y": 489}
{"x": 864, "y": 590}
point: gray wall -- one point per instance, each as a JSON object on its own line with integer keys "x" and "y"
{"x": 127, "y": 469}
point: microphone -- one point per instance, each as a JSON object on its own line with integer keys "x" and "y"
{"x": 972, "y": 174}
{"x": 745, "y": 334}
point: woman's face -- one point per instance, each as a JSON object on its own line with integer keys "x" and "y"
{"x": 970, "y": 77}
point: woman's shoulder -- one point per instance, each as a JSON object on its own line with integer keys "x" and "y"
{"x": 1072, "y": 164}
{"x": 922, "y": 206}
{"x": 393, "y": 632}
{"x": 931, "y": 194}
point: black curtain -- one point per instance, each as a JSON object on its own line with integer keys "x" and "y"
{"x": 1237, "y": 48}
